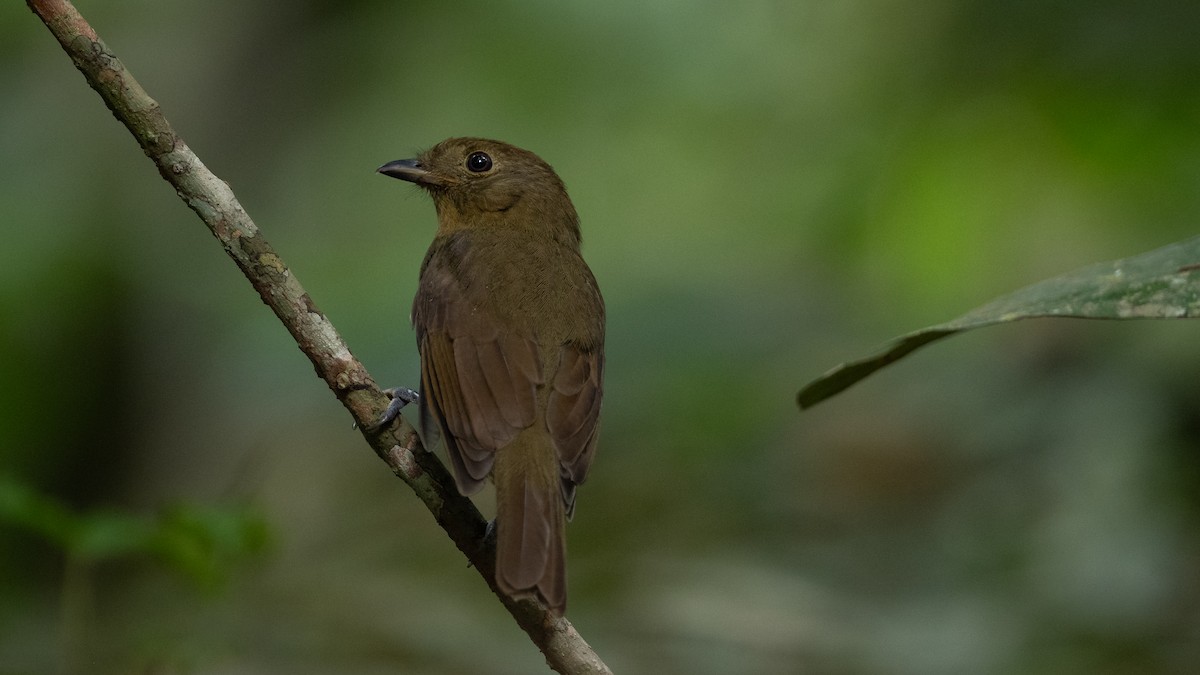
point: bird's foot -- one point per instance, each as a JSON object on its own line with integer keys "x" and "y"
{"x": 400, "y": 397}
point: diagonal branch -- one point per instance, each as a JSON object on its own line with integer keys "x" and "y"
{"x": 212, "y": 200}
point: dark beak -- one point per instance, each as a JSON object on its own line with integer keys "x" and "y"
{"x": 406, "y": 169}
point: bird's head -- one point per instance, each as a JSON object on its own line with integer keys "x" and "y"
{"x": 476, "y": 182}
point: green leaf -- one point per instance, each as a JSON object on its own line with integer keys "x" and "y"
{"x": 1161, "y": 284}
{"x": 23, "y": 507}
{"x": 109, "y": 534}
{"x": 204, "y": 543}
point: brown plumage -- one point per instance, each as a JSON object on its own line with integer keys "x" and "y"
{"x": 510, "y": 327}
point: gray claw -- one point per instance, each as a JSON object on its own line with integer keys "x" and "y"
{"x": 400, "y": 397}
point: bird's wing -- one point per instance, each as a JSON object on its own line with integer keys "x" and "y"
{"x": 573, "y": 413}
{"x": 478, "y": 383}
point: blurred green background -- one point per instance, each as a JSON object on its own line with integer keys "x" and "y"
{"x": 766, "y": 189}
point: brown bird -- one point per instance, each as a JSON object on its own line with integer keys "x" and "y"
{"x": 510, "y": 327}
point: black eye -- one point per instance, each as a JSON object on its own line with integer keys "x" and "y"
{"x": 479, "y": 162}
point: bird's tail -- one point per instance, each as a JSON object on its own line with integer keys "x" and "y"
{"x": 531, "y": 555}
